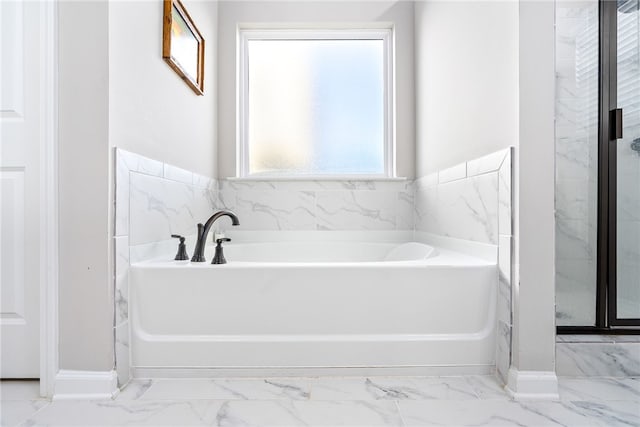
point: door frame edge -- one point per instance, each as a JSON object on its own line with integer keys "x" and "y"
{"x": 48, "y": 197}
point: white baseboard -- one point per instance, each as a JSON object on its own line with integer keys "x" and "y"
{"x": 539, "y": 385}
{"x": 85, "y": 385}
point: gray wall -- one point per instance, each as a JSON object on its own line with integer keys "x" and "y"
{"x": 466, "y": 81}
{"x": 534, "y": 289}
{"x": 85, "y": 288}
{"x": 115, "y": 90}
{"x": 152, "y": 112}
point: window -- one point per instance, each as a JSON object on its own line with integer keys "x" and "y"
{"x": 315, "y": 103}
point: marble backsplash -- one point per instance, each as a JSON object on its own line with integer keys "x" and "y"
{"x": 319, "y": 205}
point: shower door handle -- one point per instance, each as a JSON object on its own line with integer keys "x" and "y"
{"x": 616, "y": 123}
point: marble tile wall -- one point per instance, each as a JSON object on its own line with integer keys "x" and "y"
{"x": 152, "y": 201}
{"x": 598, "y": 356}
{"x": 473, "y": 201}
{"x": 460, "y": 203}
{"x": 319, "y": 205}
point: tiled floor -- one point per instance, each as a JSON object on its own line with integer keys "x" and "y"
{"x": 419, "y": 401}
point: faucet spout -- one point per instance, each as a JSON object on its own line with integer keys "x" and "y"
{"x": 203, "y": 232}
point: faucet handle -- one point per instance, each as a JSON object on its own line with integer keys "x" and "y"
{"x": 218, "y": 258}
{"x": 182, "y": 254}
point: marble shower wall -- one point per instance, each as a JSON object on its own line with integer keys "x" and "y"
{"x": 152, "y": 201}
{"x": 598, "y": 355}
{"x": 473, "y": 201}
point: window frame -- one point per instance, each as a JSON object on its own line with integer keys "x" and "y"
{"x": 383, "y": 33}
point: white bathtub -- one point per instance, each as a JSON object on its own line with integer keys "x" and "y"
{"x": 314, "y": 307}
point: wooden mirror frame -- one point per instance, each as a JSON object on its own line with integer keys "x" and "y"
{"x": 197, "y": 84}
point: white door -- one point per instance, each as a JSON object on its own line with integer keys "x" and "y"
{"x": 19, "y": 188}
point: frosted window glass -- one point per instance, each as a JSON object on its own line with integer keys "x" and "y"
{"x": 316, "y": 107}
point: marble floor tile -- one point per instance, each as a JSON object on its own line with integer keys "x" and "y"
{"x": 122, "y": 413}
{"x": 19, "y": 390}
{"x": 13, "y": 412}
{"x": 578, "y": 414}
{"x": 349, "y": 413}
{"x": 392, "y": 388}
{"x": 319, "y": 413}
{"x": 612, "y": 413}
{"x": 475, "y": 400}
{"x": 633, "y": 383}
{"x": 228, "y": 389}
{"x": 264, "y": 389}
{"x": 492, "y": 413}
{"x": 134, "y": 389}
{"x": 178, "y": 389}
{"x": 573, "y": 389}
{"x": 487, "y": 387}
{"x": 264, "y": 413}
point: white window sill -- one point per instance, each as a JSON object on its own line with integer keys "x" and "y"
{"x": 318, "y": 178}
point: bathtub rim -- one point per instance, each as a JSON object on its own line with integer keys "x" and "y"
{"x": 442, "y": 257}
{"x": 485, "y": 251}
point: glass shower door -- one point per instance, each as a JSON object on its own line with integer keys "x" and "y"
{"x": 627, "y": 292}
{"x": 576, "y": 162}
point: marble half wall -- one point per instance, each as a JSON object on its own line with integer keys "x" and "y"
{"x": 473, "y": 201}
{"x": 153, "y": 200}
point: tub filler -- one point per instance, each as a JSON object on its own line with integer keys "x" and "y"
{"x": 315, "y": 307}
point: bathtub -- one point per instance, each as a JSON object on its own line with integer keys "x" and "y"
{"x": 315, "y": 306}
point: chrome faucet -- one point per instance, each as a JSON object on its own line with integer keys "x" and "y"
{"x": 203, "y": 232}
